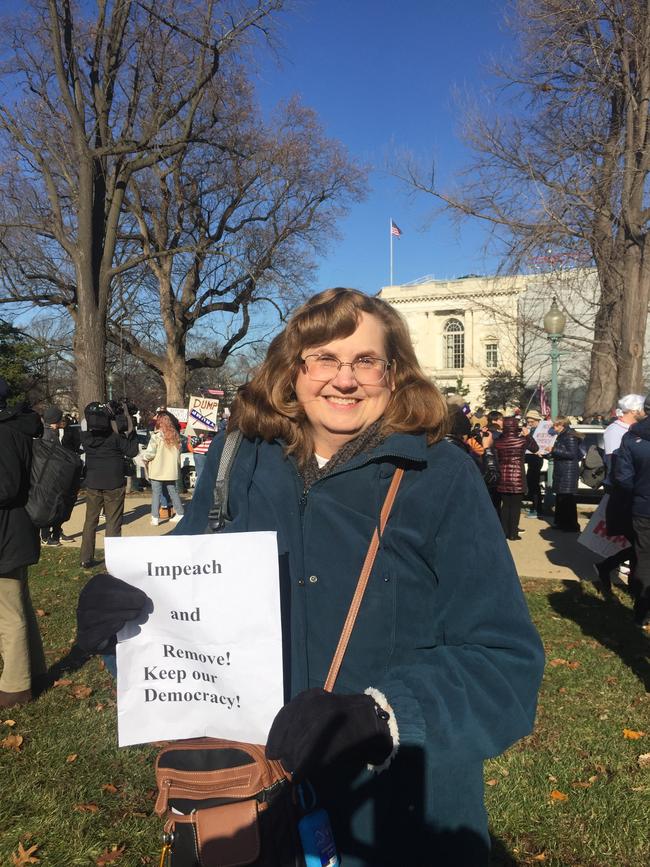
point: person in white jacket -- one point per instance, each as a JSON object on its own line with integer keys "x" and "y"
{"x": 162, "y": 457}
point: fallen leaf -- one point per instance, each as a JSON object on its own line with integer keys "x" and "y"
{"x": 603, "y": 716}
{"x": 99, "y": 707}
{"x": 12, "y": 742}
{"x": 574, "y": 665}
{"x": 24, "y": 856}
{"x": 86, "y": 808}
{"x": 110, "y": 856}
{"x": 552, "y": 779}
{"x": 110, "y": 788}
{"x": 10, "y": 722}
{"x": 632, "y": 735}
{"x": 644, "y": 761}
{"x": 82, "y": 691}
{"x": 72, "y": 758}
{"x": 556, "y": 795}
{"x": 581, "y": 785}
{"x": 601, "y": 769}
{"x": 555, "y": 662}
{"x": 63, "y": 682}
{"x": 540, "y": 857}
{"x": 491, "y": 782}
{"x": 638, "y": 788}
{"x": 40, "y": 613}
{"x": 562, "y": 690}
{"x": 593, "y": 778}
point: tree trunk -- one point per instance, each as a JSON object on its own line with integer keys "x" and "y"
{"x": 602, "y": 387}
{"x": 175, "y": 377}
{"x": 634, "y": 317}
{"x": 90, "y": 351}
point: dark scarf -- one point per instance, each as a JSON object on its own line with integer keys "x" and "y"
{"x": 365, "y": 442}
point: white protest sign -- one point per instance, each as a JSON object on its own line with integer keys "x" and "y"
{"x": 179, "y": 412}
{"x": 543, "y": 437}
{"x": 207, "y": 661}
{"x": 202, "y": 413}
{"x": 595, "y": 536}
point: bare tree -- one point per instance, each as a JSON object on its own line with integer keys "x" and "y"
{"x": 89, "y": 104}
{"x": 565, "y": 165}
{"x": 227, "y": 231}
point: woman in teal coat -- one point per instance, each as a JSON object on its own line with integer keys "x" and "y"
{"x": 444, "y": 664}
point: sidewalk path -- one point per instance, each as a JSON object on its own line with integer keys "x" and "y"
{"x": 137, "y": 520}
{"x": 542, "y": 551}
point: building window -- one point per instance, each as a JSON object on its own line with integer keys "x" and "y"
{"x": 454, "y": 344}
{"x": 491, "y": 355}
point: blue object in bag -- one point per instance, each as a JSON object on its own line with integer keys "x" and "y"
{"x": 317, "y": 840}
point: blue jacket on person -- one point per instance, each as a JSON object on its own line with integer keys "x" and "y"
{"x": 566, "y": 454}
{"x": 632, "y": 466}
{"x": 443, "y": 631}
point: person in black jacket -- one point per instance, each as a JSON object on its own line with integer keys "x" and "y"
{"x": 632, "y": 474}
{"x": 20, "y": 640}
{"x": 52, "y": 424}
{"x": 566, "y": 454}
{"x": 105, "y": 447}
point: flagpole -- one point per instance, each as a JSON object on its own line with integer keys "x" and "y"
{"x": 390, "y": 235}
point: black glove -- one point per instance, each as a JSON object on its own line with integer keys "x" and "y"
{"x": 105, "y": 605}
{"x": 316, "y": 728}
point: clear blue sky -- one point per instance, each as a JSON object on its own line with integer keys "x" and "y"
{"x": 381, "y": 75}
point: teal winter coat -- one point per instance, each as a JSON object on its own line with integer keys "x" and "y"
{"x": 443, "y": 632}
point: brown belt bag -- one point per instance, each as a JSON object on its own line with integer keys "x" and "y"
{"x": 224, "y": 803}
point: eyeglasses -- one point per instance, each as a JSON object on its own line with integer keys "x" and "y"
{"x": 367, "y": 370}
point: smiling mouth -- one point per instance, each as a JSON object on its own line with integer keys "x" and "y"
{"x": 342, "y": 401}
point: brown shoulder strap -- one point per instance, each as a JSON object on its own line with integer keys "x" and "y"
{"x": 362, "y": 583}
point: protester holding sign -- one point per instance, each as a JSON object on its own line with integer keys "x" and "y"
{"x": 443, "y": 665}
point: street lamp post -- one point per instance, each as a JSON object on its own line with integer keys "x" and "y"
{"x": 109, "y": 380}
{"x": 554, "y": 323}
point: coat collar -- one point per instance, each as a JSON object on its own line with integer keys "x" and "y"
{"x": 396, "y": 448}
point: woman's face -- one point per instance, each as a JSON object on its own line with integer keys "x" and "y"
{"x": 341, "y": 409}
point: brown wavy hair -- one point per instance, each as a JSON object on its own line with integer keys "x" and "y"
{"x": 267, "y": 405}
{"x": 166, "y": 427}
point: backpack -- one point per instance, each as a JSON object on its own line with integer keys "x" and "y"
{"x": 54, "y": 483}
{"x": 592, "y": 468}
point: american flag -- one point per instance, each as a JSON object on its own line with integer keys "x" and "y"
{"x": 395, "y": 229}
{"x": 544, "y": 405}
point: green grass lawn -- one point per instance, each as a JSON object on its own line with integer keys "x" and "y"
{"x": 573, "y": 793}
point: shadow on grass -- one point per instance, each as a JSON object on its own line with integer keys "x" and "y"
{"x": 500, "y": 856}
{"x": 74, "y": 659}
{"x": 609, "y": 622}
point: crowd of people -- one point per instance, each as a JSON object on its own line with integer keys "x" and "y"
{"x": 511, "y": 463}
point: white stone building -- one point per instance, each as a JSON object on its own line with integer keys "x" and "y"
{"x": 464, "y": 329}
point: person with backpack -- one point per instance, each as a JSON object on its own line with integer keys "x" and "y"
{"x": 52, "y": 425}
{"x": 20, "y": 640}
{"x": 105, "y": 447}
